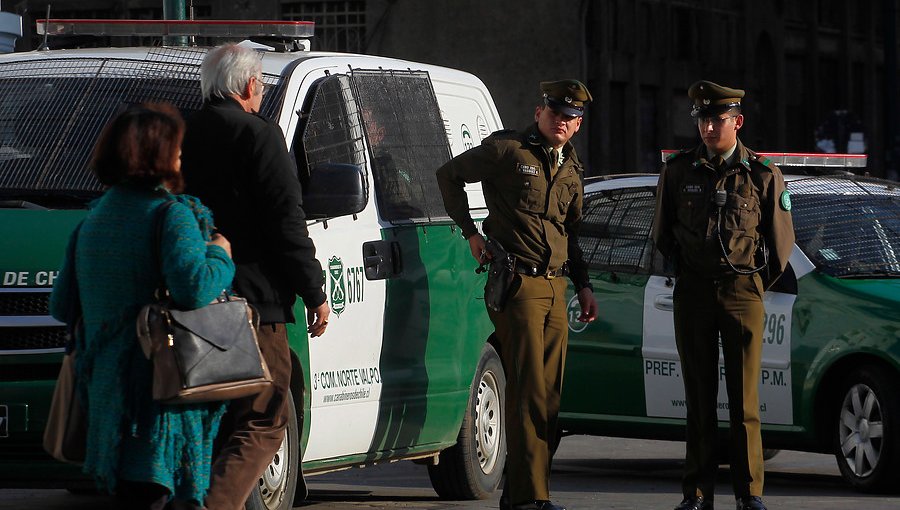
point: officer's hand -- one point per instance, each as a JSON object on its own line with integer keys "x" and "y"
{"x": 317, "y": 319}
{"x": 476, "y": 244}
{"x": 588, "y": 305}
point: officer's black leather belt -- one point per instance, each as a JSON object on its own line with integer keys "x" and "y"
{"x": 530, "y": 270}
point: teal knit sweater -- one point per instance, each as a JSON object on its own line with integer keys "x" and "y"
{"x": 131, "y": 437}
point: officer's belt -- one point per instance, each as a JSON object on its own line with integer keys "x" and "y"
{"x": 530, "y": 270}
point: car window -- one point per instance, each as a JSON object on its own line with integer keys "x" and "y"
{"x": 615, "y": 230}
{"x": 332, "y": 132}
{"x": 848, "y": 227}
{"x": 406, "y": 139}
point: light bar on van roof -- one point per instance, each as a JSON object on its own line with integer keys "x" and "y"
{"x": 806, "y": 159}
{"x": 200, "y": 28}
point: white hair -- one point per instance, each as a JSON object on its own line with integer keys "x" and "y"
{"x": 227, "y": 69}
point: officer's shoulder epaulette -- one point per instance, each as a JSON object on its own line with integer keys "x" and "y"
{"x": 677, "y": 154}
{"x": 759, "y": 161}
{"x": 501, "y": 134}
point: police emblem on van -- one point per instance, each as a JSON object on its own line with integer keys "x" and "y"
{"x": 338, "y": 288}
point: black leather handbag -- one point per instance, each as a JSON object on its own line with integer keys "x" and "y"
{"x": 203, "y": 355}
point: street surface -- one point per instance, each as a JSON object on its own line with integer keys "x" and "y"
{"x": 588, "y": 473}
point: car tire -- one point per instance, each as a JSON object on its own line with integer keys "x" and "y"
{"x": 473, "y": 467}
{"x": 278, "y": 483}
{"x": 867, "y": 429}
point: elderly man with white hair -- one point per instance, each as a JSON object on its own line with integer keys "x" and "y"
{"x": 237, "y": 163}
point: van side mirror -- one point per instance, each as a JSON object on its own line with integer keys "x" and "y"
{"x": 334, "y": 189}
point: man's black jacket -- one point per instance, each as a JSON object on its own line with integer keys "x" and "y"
{"x": 237, "y": 164}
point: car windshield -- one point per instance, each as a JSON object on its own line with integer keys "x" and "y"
{"x": 848, "y": 226}
{"x": 52, "y": 111}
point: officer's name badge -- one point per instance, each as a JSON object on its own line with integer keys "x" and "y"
{"x": 527, "y": 169}
{"x": 693, "y": 188}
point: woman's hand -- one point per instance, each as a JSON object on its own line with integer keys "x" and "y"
{"x": 220, "y": 241}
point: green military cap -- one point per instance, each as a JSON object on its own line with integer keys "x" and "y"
{"x": 567, "y": 97}
{"x": 711, "y": 98}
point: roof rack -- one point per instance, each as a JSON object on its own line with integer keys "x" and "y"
{"x": 806, "y": 159}
{"x": 235, "y": 29}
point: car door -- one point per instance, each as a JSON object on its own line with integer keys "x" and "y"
{"x": 343, "y": 379}
{"x": 606, "y": 353}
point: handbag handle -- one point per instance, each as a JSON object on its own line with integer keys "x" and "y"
{"x": 74, "y": 298}
{"x": 162, "y": 292}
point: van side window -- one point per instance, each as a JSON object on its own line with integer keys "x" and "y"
{"x": 407, "y": 141}
{"x": 332, "y": 132}
{"x": 615, "y": 230}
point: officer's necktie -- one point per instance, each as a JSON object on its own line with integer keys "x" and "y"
{"x": 718, "y": 162}
{"x": 554, "y": 161}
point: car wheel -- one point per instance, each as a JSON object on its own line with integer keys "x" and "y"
{"x": 276, "y": 487}
{"x": 867, "y": 430}
{"x": 473, "y": 467}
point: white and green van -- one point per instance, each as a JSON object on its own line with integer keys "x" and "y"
{"x": 407, "y": 369}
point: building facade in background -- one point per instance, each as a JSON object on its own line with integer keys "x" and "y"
{"x": 814, "y": 70}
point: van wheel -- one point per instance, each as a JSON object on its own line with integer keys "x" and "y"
{"x": 867, "y": 429}
{"x": 276, "y": 487}
{"x": 472, "y": 468}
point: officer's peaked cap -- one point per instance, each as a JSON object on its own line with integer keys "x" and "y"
{"x": 712, "y": 99}
{"x": 567, "y": 97}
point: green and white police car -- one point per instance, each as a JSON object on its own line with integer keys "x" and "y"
{"x": 407, "y": 369}
{"x": 831, "y": 356}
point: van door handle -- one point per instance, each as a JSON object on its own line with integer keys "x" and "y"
{"x": 381, "y": 259}
{"x": 664, "y": 302}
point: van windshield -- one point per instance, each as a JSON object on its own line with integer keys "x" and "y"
{"x": 52, "y": 110}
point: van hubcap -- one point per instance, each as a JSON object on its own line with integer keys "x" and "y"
{"x": 271, "y": 483}
{"x": 487, "y": 422}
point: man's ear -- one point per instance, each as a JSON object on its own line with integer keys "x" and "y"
{"x": 247, "y": 91}
{"x": 738, "y": 122}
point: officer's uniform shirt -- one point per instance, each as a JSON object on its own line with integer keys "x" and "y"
{"x": 757, "y": 205}
{"x": 534, "y": 207}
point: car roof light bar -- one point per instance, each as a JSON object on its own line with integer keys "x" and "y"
{"x": 805, "y": 159}
{"x": 198, "y": 28}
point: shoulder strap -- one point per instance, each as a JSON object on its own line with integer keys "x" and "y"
{"x": 73, "y": 313}
{"x": 161, "y": 212}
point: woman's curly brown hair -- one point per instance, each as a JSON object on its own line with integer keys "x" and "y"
{"x": 141, "y": 146}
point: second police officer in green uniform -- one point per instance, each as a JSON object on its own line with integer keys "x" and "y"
{"x": 723, "y": 218}
{"x": 532, "y": 183}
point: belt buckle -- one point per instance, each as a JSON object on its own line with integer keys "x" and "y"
{"x": 549, "y": 275}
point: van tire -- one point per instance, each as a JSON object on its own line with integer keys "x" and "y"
{"x": 473, "y": 467}
{"x": 276, "y": 487}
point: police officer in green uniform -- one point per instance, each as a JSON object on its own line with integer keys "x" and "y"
{"x": 532, "y": 184}
{"x": 723, "y": 218}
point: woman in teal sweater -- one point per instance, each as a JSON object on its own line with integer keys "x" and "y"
{"x": 144, "y": 452}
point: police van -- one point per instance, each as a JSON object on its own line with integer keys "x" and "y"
{"x": 407, "y": 369}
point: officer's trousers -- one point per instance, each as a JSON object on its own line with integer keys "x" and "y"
{"x": 533, "y": 332}
{"x": 704, "y": 308}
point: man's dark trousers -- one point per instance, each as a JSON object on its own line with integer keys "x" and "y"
{"x": 704, "y": 307}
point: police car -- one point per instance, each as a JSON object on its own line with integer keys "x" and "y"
{"x": 831, "y": 353}
{"x": 407, "y": 369}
